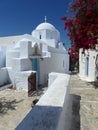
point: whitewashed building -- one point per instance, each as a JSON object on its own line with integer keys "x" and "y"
{"x": 88, "y": 65}
{"x": 41, "y": 52}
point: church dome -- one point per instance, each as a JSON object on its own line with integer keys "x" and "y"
{"x": 45, "y": 26}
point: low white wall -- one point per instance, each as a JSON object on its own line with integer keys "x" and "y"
{"x": 20, "y": 79}
{"x": 53, "y": 111}
{"x": 4, "y": 77}
{"x": 52, "y": 77}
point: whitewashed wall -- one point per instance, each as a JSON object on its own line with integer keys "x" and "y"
{"x": 25, "y": 49}
{"x": 21, "y": 64}
{"x": 19, "y": 79}
{"x": 19, "y": 58}
{"x": 49, "y": 36}
{"x": 10, "y": 55}
{"x": 56, "y": 63}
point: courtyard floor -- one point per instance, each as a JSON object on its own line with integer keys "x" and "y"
{"x": 85, "y": 104}
{"x": 14, "y": 106}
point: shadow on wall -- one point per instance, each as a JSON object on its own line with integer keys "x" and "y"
{"x": 41, "y": 118}
{"x": 75, "y": 112}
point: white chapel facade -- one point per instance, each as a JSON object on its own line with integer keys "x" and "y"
{"x": 41, "y": 52}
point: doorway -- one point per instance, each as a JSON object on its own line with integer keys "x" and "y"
{"x": 87, "y": 66}
{"x": 36, "y": 67}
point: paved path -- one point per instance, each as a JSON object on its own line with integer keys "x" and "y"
{"x": 85, "y": 104}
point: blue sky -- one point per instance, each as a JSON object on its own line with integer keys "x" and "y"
{"x": 22, "y": 16}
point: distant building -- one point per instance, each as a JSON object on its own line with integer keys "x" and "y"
{"x": 88, "y": 65}
{"x": 42, "y": 52}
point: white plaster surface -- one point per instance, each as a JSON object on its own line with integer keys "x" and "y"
{"x": 48, "y": 33}
{"x": 47, "y": 113}
{"x": 10, "y": 55}
{"x": 51, "y": 78}
{"x": 58, "y": 62}
{"x": 2, "y": 56}
{"x": 21, "y": 64}
{"x": 19, "y": 79}
{"x": 25, "y": 49}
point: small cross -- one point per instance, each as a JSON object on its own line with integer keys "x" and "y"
{"x": 45, "y": 19}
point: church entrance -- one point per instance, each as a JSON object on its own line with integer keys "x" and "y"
{"x": 35, "y": 67}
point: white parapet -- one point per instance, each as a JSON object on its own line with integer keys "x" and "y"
{"x": 19, "y": 79}
{"x": 52, "y": 77}
{"x": 53, "y": 111}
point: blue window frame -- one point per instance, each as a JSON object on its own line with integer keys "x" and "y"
{"x": 35, "y": 67}
{"x": 87, "y": 66}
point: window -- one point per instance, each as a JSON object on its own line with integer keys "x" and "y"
{"x": 40, "y": 36}
{"x": 63, "y": 64}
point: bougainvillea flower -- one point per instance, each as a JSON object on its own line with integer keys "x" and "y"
{"x": 64, "y": 18}
{"x": 82, "y": 26}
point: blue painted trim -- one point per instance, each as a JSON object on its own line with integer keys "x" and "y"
{"x": 87, "y": 66}
{"x": 36, "y": 67}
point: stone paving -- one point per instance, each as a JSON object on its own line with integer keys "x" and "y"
{"x": 14, "y": 106}
{"x": 85, "y": 104}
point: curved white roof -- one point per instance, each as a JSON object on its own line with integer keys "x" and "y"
{"x": 45, "y": 26}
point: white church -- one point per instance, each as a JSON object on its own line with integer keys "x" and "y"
{"x": 40, "y": 53}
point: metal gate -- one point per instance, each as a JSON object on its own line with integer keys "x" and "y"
{"x": 31, "y": 83}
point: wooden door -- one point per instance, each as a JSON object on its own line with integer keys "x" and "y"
{"x": 31, "y": 83}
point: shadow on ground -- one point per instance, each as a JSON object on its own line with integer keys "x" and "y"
{"x": 95, "y": 84}
{"x": 39, "y": 91}
{"x": 74, "y": 72}
{"x": 6, "y": 105}
{"x": 75, "y": 112}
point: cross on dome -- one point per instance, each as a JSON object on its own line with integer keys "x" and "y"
{"x": 45, "y": 19}
{"x": 45, "y": 26}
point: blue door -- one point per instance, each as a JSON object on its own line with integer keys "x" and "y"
{"x": 34, "y": 64}
{"x": 87, "y": 66}
{"x": 35, "y": 67}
